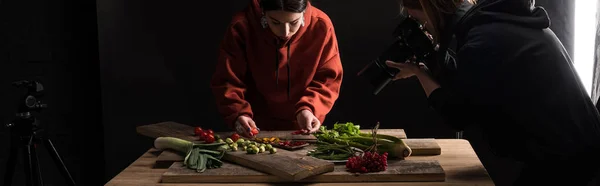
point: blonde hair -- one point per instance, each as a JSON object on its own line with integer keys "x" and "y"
{"x": 435, "y": 12}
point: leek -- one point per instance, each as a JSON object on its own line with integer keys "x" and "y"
{"x": 198, "y": 156}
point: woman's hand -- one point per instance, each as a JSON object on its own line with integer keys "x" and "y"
{"x": 407, "y": 69}
{"x": 244, "y": 126}
{"x": 420, "y": 70}
{"x": 307, "y": 121}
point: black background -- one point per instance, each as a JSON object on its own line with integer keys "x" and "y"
{"x": 111, "y": 65}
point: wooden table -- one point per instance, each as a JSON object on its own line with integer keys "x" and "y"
{"x": 458, "y": 159}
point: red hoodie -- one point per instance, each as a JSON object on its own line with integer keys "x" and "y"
{"x": 270, "y": 80}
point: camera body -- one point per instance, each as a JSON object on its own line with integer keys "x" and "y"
{"x": 25, "y": 120}
{"x": 410, "y": 40}
{"x": 31, "y": 99}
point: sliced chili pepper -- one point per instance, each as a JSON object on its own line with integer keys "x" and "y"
{"x": 254, "y": 131}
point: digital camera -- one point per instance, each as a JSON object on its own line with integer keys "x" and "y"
{"x": 410, "y": 41}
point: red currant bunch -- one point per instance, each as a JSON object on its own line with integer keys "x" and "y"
{"x": 368, "y": 162}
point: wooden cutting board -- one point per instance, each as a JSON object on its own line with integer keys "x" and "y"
{"x": 186, "y": 132}
{"x": 420, "y": 147}
{"x": 167, "y": 157}
{"x": 284, "y": 164}
{"x": 397, "y": 171}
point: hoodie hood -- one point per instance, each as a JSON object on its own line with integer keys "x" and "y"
{"x": 519, "y": 12}
{"x": 255, "y": 15}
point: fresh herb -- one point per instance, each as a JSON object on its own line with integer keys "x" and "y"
{"x": 348, "y": 133}
{"x": 329, "y": 151}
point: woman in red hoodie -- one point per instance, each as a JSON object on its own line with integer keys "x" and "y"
{"x": 278, "y": 68}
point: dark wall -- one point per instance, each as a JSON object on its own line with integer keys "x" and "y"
{"x": 54, "y": 42}
{"x": 156, "y": 66}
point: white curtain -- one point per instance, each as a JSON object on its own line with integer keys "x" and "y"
{"x": 596, "y": 79}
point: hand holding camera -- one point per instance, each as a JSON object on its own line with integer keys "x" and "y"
{"x": 408, "y": 69}
{"x": 411, "y": 44}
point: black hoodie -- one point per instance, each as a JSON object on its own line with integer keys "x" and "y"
{"x": 516, "y": 81}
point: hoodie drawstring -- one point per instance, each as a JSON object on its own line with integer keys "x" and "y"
{"x": 289, "y": 81}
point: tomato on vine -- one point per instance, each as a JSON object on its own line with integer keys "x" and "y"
{"x": 198, "y": 131}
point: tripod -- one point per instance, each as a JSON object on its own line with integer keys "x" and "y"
{"x": 26, "y": 135}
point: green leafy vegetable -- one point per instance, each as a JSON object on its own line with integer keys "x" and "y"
{"x": 198, "y": 156}
{"x": 329, "y": 151}
{"x": 350, "y": 134}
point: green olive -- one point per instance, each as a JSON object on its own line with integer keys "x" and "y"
{"x": 240, "y": 142}
{"x": 229, "y": 141}
{"x": 273, "y": 150}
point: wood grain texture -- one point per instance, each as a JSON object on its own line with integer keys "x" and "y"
{"x": 459, "y": 161}
{"x": 286, "y": 165}
{"x": 398, "y": 171}
{"x": 174, "y": 129}
{"x": 423, "y": 146}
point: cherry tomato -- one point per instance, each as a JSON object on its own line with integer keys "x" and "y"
{"x": 235, "y": 136}
{"x": 210, "y": 131}
{"x": 210, "y": 139}
{"x": 198, "y": 131}
{"x": 254, "y": 131}
{"x": 204, "y": 135}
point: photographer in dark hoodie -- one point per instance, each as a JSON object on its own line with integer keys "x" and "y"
{"x": 513, "y": 78}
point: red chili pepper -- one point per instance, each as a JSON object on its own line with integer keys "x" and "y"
{"x": 254, "y": 131}
{"x": 298, "y": 143}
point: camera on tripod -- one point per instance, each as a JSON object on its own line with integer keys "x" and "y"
{"x": 410, "y": 40}
{"x": 25, "y": 136}
{"x": 30, "y": 102}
